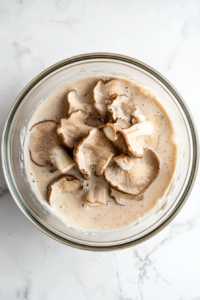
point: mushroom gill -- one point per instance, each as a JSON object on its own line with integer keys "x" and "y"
{"x": 123, "y": 198}
{"x": 111, "y": 129}
{"x": 137, "y": 178}
{"x": 45, "y": 147}
{"x": 104, "y": 93}
{"x": 73, "y": 128}
{"x": 122, "y": 108}
{"x": 94, "y": 151}
{"x": 95, "y": 196}
{"x": 66, "y": 184}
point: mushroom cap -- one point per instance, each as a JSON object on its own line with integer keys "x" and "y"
{"x": 67, "y": 184}
{"x": 134, "y": 137}
{"x": 96, "y": 151}
{"x": 136, "y": 180}
{"x": 122, "y": 108}
{"x": 94, "y": 121}
{"x": 45, "y": 147}
{"x": 73, "y": 128}
{"x": 122, "y": 198}
{"x": 43, "y": 138}
{"x": 104, "y": 92}
{"x": 95, "y": 196}
{"x": 75, "y": 104}
{"x": 110, "y": 129}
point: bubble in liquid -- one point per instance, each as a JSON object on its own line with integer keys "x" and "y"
{"x": 84, "y": 205}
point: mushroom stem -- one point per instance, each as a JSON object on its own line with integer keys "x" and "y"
{"x": 110, "y": 132}
{"x": 105, "y": 161}
{"x": 96, "y": 195}
{"x": 124, "y": 162}
{"x": 133, "y": 134}
{"x": 111, "y": 129}
{"x": 61, "y": 159}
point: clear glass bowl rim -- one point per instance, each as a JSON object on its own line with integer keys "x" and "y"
{"x": 82, "y": 58}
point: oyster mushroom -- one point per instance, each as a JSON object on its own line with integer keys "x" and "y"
{"x": 104, "y": 93}
{"x": 143, "y": 171}
{"x": 45, "y": 147}
{"x": 122, "y": 108}
{"x": 71, "y": 129}
{"x": 94, "y": 151}
{"x": 135, "y": 135}
{"x": 95, "y": 196}
{"x": 140, "y": 133}
{"x": 122, "y": 198}
{"x": 110, "y": 129}
{"x": 75, "y": 104}
{"x": 66, "y": 184}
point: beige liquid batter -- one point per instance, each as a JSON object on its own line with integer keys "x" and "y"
{"x": 71, "y": 208}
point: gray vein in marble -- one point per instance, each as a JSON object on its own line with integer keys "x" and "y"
{"x": 146, "y": 262}
{"x": 139, "y": 293}
{"x": 21, "y": 50}
{"x": 3, "y": 191}
{"x": 26, "y": 293}
{"x": 23, "y": 293}
{"x": 177, "y": 228}
{"x": 173, "y": 56}
{"x": 117, "y": 275}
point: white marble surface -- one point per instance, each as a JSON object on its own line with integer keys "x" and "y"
{"x": 35, "y": 34}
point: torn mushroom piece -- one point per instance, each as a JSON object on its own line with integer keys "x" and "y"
{"x": 110, "y": 129}
{"x": 66, "y": 184}
{"x": 134, "y": 137}
{"x": 95, "y": 196}
{"x": 104, "y": 93}
{"x": 122, "y": 198}
{"x": 74, "y": 128}
{"x": 94, "y": 151}
{"x": 122, "y": 108}
{"x": 75, "y": 104}
{"x": 137, "y": 177}
{"x": 45, "y": 147}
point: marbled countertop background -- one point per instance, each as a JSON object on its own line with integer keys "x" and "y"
{"x": 36, "y": 34}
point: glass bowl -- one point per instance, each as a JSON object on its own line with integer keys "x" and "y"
{"x": 78, "y": 67}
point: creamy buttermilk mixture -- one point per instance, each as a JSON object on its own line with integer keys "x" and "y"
{"x": 100, "y": 152}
